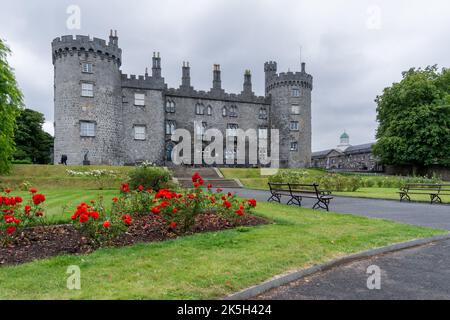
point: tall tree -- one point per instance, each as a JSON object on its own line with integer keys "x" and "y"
{"x": 10, "y": 105}
{"x": 32, "y": 142}
{"x": 414, "y": 119}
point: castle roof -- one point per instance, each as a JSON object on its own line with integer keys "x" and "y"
{"x": 344, "y": 135}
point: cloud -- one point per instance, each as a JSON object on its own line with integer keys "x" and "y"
{"x": 350, "y": 62}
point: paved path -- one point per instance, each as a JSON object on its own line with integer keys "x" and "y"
{"x": 412, "y": 274}
{"x": 418, "y": 273}
{"x": 422, "y": 214}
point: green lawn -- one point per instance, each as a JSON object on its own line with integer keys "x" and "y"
{"x": 386, "y": 193}
{"x": 56, "y": 177}
{"x": 210, "y": 265}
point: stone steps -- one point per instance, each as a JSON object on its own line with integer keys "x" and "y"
{"x": 210, "y": 175}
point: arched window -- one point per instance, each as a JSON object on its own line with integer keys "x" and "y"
{"x": 224, "y": 111}
{"x": 233, "y": 111}
{"x": 263, "y": 113}
{"x": 170, "y": 106}
{"x": 199, "y": 109}
{"x": 209, "y": 110}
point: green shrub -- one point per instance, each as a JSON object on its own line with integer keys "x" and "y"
{"x": 24, "y": 161}
{"x": 149, "y": 177}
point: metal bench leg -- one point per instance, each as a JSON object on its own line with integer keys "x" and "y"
{"x": 274, "y": 198}
{"x": 295, "y": 201}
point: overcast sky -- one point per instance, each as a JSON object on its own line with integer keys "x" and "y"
{"x": 353, "y": 48}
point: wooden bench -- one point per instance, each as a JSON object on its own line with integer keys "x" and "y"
{"x": 435, "y": 191}
{"x": 297, "y": 192}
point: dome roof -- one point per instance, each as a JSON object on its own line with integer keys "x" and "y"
{"x": 344, "y": 136}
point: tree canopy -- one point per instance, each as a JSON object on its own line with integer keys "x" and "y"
{"x": 414, "y": 119}
{"x": 32, "y": 142}
{"x": 10, "y": 105}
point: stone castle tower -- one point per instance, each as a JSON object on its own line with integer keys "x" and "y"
{"x": 109, "y": 117}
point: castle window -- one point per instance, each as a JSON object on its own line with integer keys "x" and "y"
{"x": 233, "y": 111}
{"x": 209, "y": 110}
{"x": 296, "y": 92}
{"x": 87, "y": 89}
{"x": 294, "y": 146}
{"x": 170, "y": 106}
{"x": 199, "y": 109}
{"x": 224, "y": 111}
{"x": 294, "y": 126}
{"x": 87, "y": 129}
{"x": 87, "y": 68}
{"x": 139, "y": 99}
{"x": 295, "y": 109}
{"x": 171, "y": 126}
{"x": 263, "y": 113}
{"x": 139, "y": 132}
{"x": 200, "y": 129}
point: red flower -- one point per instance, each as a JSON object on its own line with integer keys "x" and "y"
{"x": 156, "y": 210}
{"x": 213, "y": 200}
{"x": 92, "y": 201}
{"x": 226, "y": 204}
{"x": 173, "y": 225}
{"x": 18, "y": 200}
{"x": 209, "y": 186}
{"x": 115, "y": 199}
{"x": 219, "y": 190}
{"x": 125, "y": 188}
{"x": 7, "y": 190}
{"x": 11, "y": 230}
{"x": 230, "y": 194}
{"x": 224, "y": 198}
{"x": 240, "y": 212}
{"x": 94, "y": 214}
{"x": 39, "y": 214}
{"x": 84, "y": 218}
{"x": 27, "y": 209}
{"x": 9, "y": 219}
{"x": 174, "y": 210}
{"x": 141, "y": 188}
{"x": 196, "y": 184}
{"x": 252, "y": 202}
{"x": 17, "y": 221}
{"x": 106, "y": 224}
{"x": 38, "y": 198}
{"x": 33, "y": 190}
{"x": 126, "y": 219}
{"x": 196, "y": 177}
{"x": 201, "y": 181}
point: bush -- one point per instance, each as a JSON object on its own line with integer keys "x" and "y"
{"x": 149, "y": 177}
{"x": 24, "y": 161}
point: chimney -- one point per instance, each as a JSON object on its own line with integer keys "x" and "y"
{"x": 247, "y": 82}
{"x": 217, "y": 83}
{"x": 186, "y": 75}
{"x": 113, "y": 38}
{"x": 156, "y": 69}
{"x": 303, "y": 67}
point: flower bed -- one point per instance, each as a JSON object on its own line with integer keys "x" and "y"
{"x": 135, "y": 216}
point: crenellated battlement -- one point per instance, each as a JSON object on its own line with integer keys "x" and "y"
{"x": 301, "y": 79}
{"x": 224, "y": 96}
{"x": 79, "y": 44}
{"x": 144, "y": 82}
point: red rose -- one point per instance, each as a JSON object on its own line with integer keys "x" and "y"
{"x": 33, "y": 190}
{"x": 201, "y": 181}
{"x": 126, "y": 219}
{"x": 18, "y": 200}
{"x": 7, "y": 190}
{"x": 209, "y": 186}
{"x": 219, "y": 190}
{"x": 125, "y": 188}
{"x": 106, "y": 224}
{"x": 230, "y": 194}
{"x": 115, "y": 199}
{"x": 9, "y": 219}
{"x": 94, "y": 214}
{"x": 141, "y": 188}
{"x": 39, "y": 214}
{"x": 17, "y": 221}
{"x": 92, "y": 201}
{"x": 240, "y": 212}
{"x": 38, "y": 198}
{"x": 84, "y": 218}
{"x": 252, "y": 202}
{"x": 27, "y": 209}
{"x": 156, "y": 210}
{"x": 196, "y": 177}
{"x": 196, "y": 184}
{"x": 11, "y": 230}
{"x": 174, "y": 210}
{"x": 226, "y": 204}
{"x": 173, "y": 225}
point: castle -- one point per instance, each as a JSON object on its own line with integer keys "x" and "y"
{"x": 103, "y": 116}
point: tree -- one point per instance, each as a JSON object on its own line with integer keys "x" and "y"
{"x": 414, "y": 119}
{"x": 32, "y": 142}
{"x": 10, "y": 105}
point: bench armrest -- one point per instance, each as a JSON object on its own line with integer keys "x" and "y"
{"x": 325, "y": 192}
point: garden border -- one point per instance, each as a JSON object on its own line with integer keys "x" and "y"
{"x": 286, "y": 278}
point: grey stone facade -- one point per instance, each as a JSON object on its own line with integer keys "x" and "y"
{"x": 347, "y": 157}
{"x": 114, "y": 116}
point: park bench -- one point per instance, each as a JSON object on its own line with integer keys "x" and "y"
{"x": 435, "y": 191}
{"x": 297, "y": 192}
